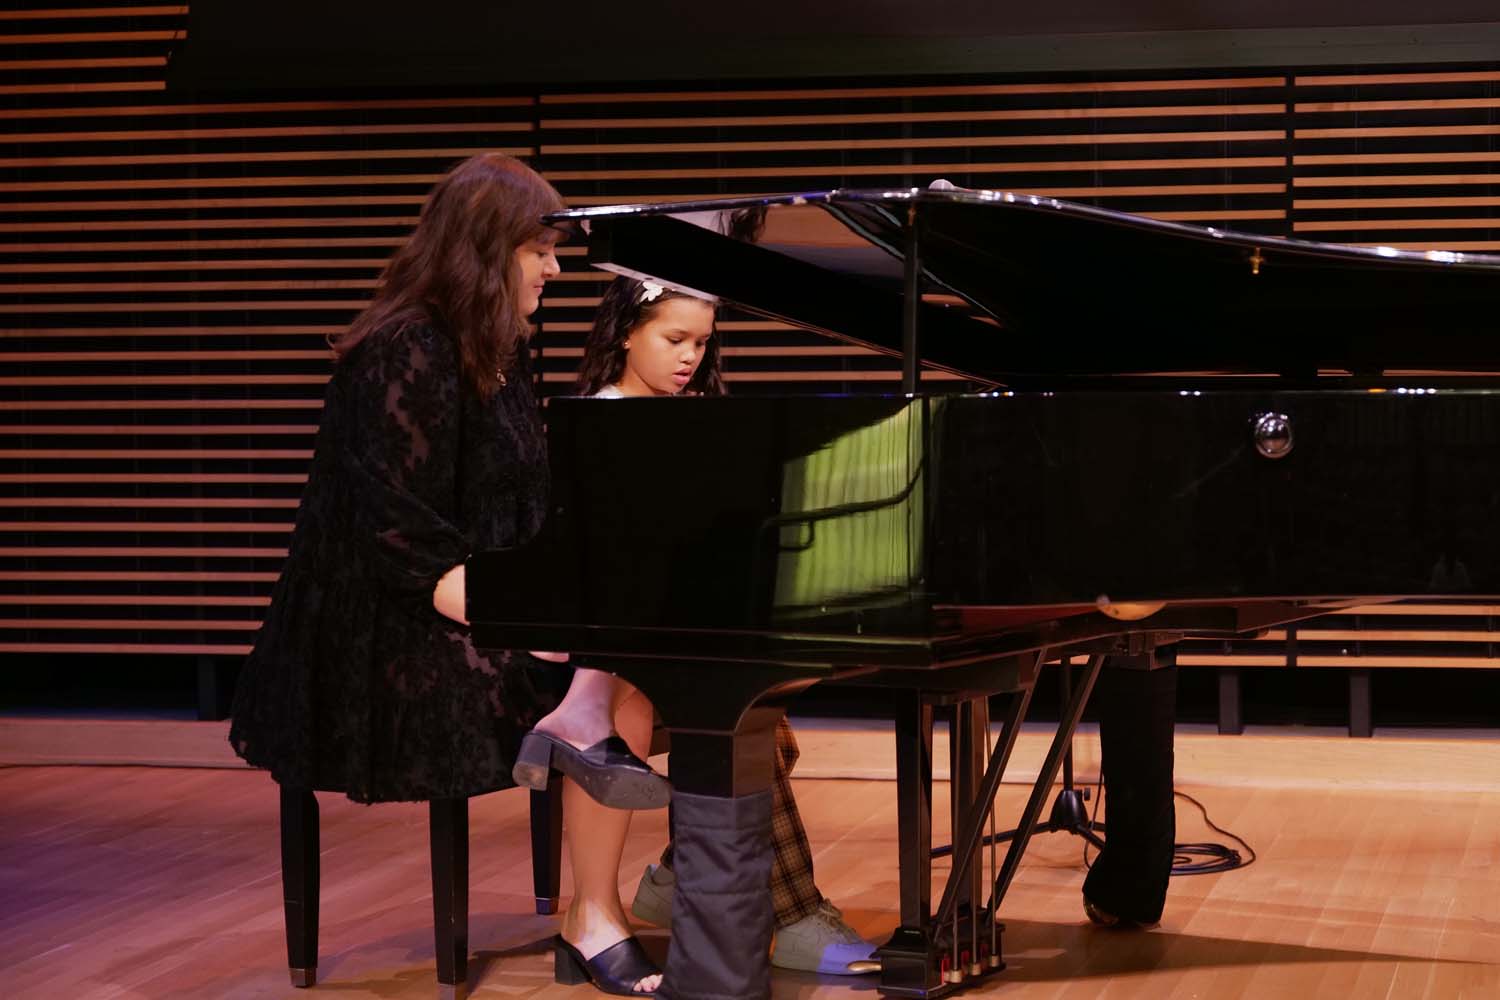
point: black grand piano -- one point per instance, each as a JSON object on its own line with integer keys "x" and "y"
{"x": 1175, "y": 430}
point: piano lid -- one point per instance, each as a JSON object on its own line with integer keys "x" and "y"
{"x": 1015, "y": 286}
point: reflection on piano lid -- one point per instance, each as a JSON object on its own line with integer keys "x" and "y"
{"x": 1016, "y": 287}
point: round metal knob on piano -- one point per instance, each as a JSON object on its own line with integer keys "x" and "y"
{"x": 1273, "y": 435}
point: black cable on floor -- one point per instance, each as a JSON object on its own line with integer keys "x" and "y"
{"x": 1205, "y": 858}
{"x": 1201, "y": 858}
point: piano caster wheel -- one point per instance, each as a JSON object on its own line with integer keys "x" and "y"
{"x": 953, "y": 977}
{"x": 1273, "y": 435}
{"x": 975, "y": 969}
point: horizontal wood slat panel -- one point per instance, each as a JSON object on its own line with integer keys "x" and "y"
{"x": 1422, "y": 662}
{"x": 146, "y": 527}
{"x": 1391, "y": 180}
{"x": 241, "y": 264}
{"x": 132, "y": 648}
{"x": 266, "y": 107}
{"x": 132, "y": 576}
{"x": 277, "y": 156}
{"x": 146, "y": 600}
{"x": 917, "y": 117}
{"x": 183, "y": 454}
{"x": 1375, "y": 78}
{"x": 121, "y": 63}
{"x": 53, "y": 405}
{"x": 81, "y": 37}
{"x": 239, "y": 503}
{"x": 968, "y": 142}
{"x": 166, "y": 429}
{"x": 170, "y": 269}
{"x": 142, "y": 551}
{"x": 261, "y": 132}
{"x": 129, "y": 625}
{"x": 1394, "y": 635}
{"x": 1405, "y": 608}
{"x": 1356, "y": 225}
{"x": 963, "y": 90}
{"x": 121, "y": 10}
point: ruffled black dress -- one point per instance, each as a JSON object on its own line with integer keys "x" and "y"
{"x": 356, "y": 684}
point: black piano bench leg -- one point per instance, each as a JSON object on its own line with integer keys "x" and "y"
{"x": 299, "y": 882}
{"x": 546, "y": 847}
{"x": 449, "y": 828}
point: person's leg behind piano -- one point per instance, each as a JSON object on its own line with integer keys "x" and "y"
{"x": 595, "y": 942}
{"x": 363, "y": 678}
{"x": 648, "y": 340}
{"x": 1127, "y": 884}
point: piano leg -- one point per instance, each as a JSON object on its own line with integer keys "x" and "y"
{"x": 907, "y": 960}
{"x": 930, "y": 954}
{"x": 722, "y": 919}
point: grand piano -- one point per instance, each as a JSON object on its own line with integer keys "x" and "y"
{"x": 1172, "y": 430}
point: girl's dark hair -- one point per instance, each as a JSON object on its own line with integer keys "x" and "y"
{"x": 620, "y": 312}
{"x": 457, "y": 268}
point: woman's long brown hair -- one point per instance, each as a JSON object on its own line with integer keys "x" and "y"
{"x": 457, "y": 268}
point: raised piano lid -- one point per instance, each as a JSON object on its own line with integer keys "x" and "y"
{"x": 1019, "y": 285}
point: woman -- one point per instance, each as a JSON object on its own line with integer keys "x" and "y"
{"x": 363, "y": 678}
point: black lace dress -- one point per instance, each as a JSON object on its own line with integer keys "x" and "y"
{"x": 356, "y": 684}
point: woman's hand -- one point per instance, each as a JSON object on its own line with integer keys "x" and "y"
{"x": 448, "y": 595}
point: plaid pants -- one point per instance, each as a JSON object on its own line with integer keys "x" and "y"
{"x": 794, "y": 894}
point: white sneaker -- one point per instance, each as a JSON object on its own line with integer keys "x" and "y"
{"x": 821, "y": 942}
{"x": 653, "y": 896}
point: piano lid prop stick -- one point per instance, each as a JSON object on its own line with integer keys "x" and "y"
{"x": 955, "y": 973}
{"x": 994, "y": 958}
{"x": 981, "y": 719}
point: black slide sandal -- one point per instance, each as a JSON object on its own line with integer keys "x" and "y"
{"x": 607, "y": 771}
{"x": 614, "y": 970}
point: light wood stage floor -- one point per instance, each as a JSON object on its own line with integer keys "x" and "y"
{"x": 149, "y": 882}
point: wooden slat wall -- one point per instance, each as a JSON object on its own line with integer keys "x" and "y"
{"x": 1402, "y": 158}
{"x": 170, "y": 268}
{"x": 1201, "y": 149}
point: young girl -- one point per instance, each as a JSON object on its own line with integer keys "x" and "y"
{"x": 649, "y": 340}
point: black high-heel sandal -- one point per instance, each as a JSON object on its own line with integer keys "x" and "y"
{"x": 607, "y": 771}
{"x": 614, "y": 970}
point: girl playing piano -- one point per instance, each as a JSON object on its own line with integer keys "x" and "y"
{"x": 649, "y": 340}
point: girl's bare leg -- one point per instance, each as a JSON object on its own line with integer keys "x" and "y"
{"x": 595, "y": 834}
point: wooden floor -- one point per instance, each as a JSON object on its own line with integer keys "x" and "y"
{"x": 144, "y": 882}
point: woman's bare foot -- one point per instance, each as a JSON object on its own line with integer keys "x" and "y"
{"x": 586, "y": 714}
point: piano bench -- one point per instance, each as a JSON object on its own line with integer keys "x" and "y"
{"x": 449, "y": 837}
